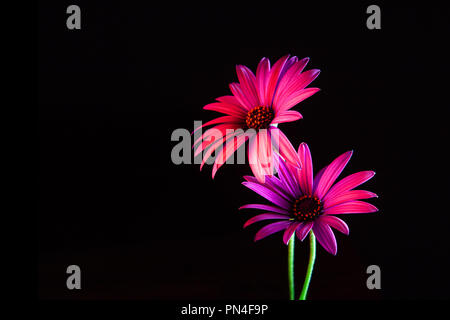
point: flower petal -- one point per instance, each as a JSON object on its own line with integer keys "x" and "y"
{"x": 305, "y": 176}
{"x": 230, "y": 109}
{"x": 265, "y": 192}
{"x": 298, "y": 84}
{"x": 217, "y": 144}
{"x": 230, "y": 100}
{"x": 265, "y": 152}
{"x": 240, "y": 96}
{"x": 265, "y": 216}
{"x": 296, "y": 98}
{"x": 350, "y": 208}
{"x": 348, "y": 196}
{"x": 348, "y": 183}
{"x": 325, "y": 237}
{"x": 288, "y": 175}
{"x": 331, "y": 173}
{"x": 336, "y": 223}
{"x": 274, "y": 184}
{"x": 219, "y": 130}
{"x": 287, "y": 116}
{"x": 290, "y": 231}
{"x": 262, "y": 78}
{"x": 247, "y": 81}
{"x": 284, "y": 146}
{"x": 274, "y": 77}
{"x": 303, "y": 230}
{"x": 227, "y": 151}
{"x": 223, "y": 119}
{"x": 254, "y": 161}
{"x": 289, "y": 78}
{"x": 264, "y": 207}
{"x": 271, "y": 228}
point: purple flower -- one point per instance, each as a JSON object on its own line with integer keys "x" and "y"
{"x": 303, "y": 202}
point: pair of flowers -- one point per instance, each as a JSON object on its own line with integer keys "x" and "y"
{"x": 300, "y": 200}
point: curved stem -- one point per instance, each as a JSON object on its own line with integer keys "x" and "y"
{"x": 291, "y": 267}
{"x": 312, "y": 258}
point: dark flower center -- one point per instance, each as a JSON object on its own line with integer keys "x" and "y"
{"x": 306, "y": 208}
{"x": 259, "y": 117}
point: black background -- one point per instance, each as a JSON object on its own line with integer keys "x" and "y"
{"x": 140, "y": 227}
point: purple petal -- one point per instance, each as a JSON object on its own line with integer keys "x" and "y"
{"x": 351, "y": 207}
{"x": 264, "y": 207}
{"x": 331, "y": 173}
{"x": 287, "y": 175}
{"x": 325, "y": 237}
{"x": 348, "y": 183}
{"x": 265, "y": 216}
{"x": 274, "y": 184}
{"x": 268, "y": 194}
{"x": 271, "y": 228}
{"x": 303, "y": 230}
{"x": 290, "y": 231}
{"x": 348, "y": 196}
{"x": 336, "y": 223}
{"x": 305, "y": 176}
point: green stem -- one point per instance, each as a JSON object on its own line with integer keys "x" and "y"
{"x": 291, "y": 267}
{"x": 312, "y": 258}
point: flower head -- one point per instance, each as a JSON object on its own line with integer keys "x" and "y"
{"x": 303, "y": 202}
{"x": 258, "y": 102}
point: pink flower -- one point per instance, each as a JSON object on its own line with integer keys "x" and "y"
{"x": 303, "y": 202}
{"x": 258, "y": 102}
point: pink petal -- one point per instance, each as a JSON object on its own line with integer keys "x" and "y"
{"x": 271, "y": 228}
{"x": 262, "y": 78}
{"x": 301, "y": 82}
{"x": 350, "y": 208}
{"x": 247, "y": 81}
{"x": 209, "y": 138}
{"x": 348, "y": 196}
{"x": 265, "y": 216}
{"x": 232, "y": 110}
{"x": 289, "y": 78}
{"x": 290, "y": 231}
{"x": 227, "y": 151}
{"x": 331, "y": 173}
{"x": 218, "y": 144}
{"x": 224, "y": 119}
{"x": 214, "y": 131}
{"x": 240, "y": 96}
{"x": 285, "y": 148}
{"x": 213, "y": 135}
{"x": 230, "y": 100}
{"x": 325, "y": 237}
{"x": 304, "y": 229}
{"x": 305, "y": 176}
{"x": 348, "y": 183}
{"x": 265, "y": 152}
{"x": 264, "y": 207}
{"x": 287, "y": 66}
{"x": 287, "y": 116}
{"x": 295, "y": 98}
{"x": 253, "y": 159}
{"x": 274, "y": 77}
{"x": 336, "y": 223}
